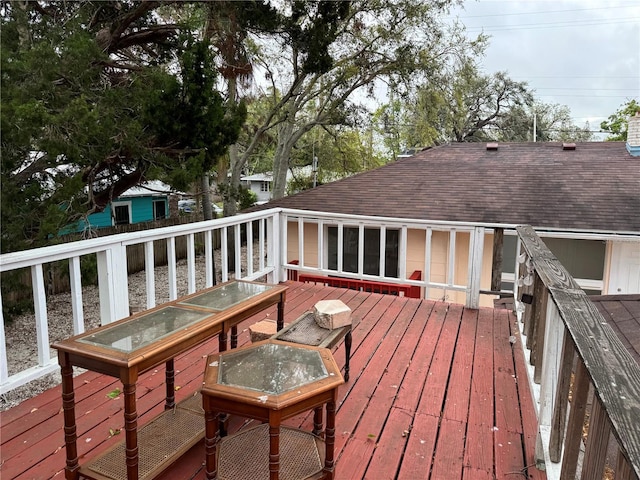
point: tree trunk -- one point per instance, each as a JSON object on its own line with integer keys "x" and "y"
{"x": 207, "y": 211}
{"x": 281, "y": 159}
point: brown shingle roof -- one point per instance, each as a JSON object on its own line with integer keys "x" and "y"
{"x": 595, "y": 187}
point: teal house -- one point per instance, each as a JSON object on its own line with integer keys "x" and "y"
{"x": 143, "y": 203}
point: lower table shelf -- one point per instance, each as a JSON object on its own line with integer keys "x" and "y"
{"x": 245, "y": 455}
{"x": 185, "y": 425}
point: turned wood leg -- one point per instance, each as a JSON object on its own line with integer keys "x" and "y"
{"x": 131, "y": 430}
{"x": 234, "y": 336}
{"x": 330, "y": 438}
{"x": 274, "y": 452}
{"x": 222, "y": 340}
{"x": 68, "y": 407}
{"x": 280, "y": 321}
{"x": 317, "y": 420}
{"x": 211, "y": 439}
{"x": 347, "y": 354}
{"x": 170, "y": 375}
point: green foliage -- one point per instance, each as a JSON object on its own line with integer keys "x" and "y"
{"x": 617, "y": 123}
{"x": 247, "y": 198}
{"x": 91, "y": 106}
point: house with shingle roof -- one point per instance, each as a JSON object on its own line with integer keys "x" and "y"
{"x": 582, "y": 198}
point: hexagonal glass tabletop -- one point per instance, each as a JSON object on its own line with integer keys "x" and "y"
{"x": 271, "y": 368}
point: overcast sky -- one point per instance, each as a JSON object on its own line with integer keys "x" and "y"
{"x": 584, "y": 54}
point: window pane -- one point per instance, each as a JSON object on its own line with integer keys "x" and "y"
{"x": 391, "y": 253}
{"x": 121, "y": 214}
{"x": 372, "y": 251}
{"x": 158, "y": 210}
{"x": 350, "y": 250}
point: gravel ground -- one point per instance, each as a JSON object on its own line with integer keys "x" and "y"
{"x": 20, "y": 334}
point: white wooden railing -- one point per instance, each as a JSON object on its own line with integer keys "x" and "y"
{"x": 572, "y": 350}
{"x": 113, "y": 280}
{"x": 273, "y": 232}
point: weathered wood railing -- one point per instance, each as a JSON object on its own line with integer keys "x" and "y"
{"x": 572, "y": 350}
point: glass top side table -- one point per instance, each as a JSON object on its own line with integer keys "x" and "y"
{"x": 271, "y": 368}
{"x": 128, "y": 347}
{"x": 269, "y": 381}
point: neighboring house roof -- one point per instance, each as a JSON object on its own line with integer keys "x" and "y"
{"x": 258, "y": 177}
{"x": 153, "y": 187}
{"x": 595, "y": 187}
{"x": 622, "y": 312}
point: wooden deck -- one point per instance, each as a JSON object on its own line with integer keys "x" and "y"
{"x": 437, "y": 391}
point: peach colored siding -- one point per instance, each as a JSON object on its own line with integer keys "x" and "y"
{"x": 415, "y": 258}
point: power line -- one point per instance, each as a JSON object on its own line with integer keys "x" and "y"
{"x": 547, "y": 11}
{"x": 563, "y": 24}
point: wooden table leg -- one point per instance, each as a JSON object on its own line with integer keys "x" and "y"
{"x": 330, "y": 437}
{"x": 274, "y": 451}
{"x": 211, "y": 438}
{"x": 347, "y": 354}
{"x": 280, "y": 321}
{"x": 68, "y": 407}
{"x": 317, "y": 420}
{"x": 170, "y": 376}
{"x": 222, "y": 339}
{"x": 131, "y": 430}
{"x": 234, "y": 336}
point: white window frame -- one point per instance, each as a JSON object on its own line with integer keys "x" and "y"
{"x": 113, "y": 211}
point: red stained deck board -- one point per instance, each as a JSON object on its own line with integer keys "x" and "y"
{"x": 508, "y": 454}
{"x": 457, "y": 401}
{"x": 478, "y": 454}
{"x": 372, "y": 422}
{"x": 359, "y": 454}
{"x": 418, "y": 455}
{"x": 473, "y": 474}
{"x": 376, "y": 355}
{"x": 431, "y": 401}
{"x": 506, "y": 391}
{"x": 481, "y": 395}
{"x": 385, "y": 462}
{"x": 416, "y": 376}
{"x": 391, "y": 358}
{"x": 447, "y": 462}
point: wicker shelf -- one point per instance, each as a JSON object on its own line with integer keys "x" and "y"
{"x": 245, "y": 455}
{"x": 185, "y": 424}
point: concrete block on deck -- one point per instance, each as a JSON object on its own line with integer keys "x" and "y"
{"x": 332, "y": 314}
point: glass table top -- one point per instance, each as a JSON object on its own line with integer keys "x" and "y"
{"x": 271, "y": 368}
{"x": 142, "y": 331}
{"x": 226, "y": 296}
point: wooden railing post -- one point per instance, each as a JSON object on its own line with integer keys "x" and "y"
{"x": 558, "y": 422}
{"x": 576, "y": 421}
{"x": 595, "y": 455}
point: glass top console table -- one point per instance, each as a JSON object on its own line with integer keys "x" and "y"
{"x": 131, "y": 346}
{"x": 271, "y": 381}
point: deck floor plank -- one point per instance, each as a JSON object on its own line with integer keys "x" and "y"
{"x": 419, "y": 405}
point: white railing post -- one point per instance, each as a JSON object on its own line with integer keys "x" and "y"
{"x": 402, "y": 254}
{"x": 276, "y": 246}
{"x": 40, "y": 310}
{"x": 208, "y": 258}
{"x": 113, "y": 284}
{"x": 149, "y": 274}
{"x": 191, "y": 263}
{"x": 4, "y": 369}
{"x": 171, "y": 268}
{"x": 476, "y": 251}
{"x": 75, "y": 279}
{"x": 551, "y": 357}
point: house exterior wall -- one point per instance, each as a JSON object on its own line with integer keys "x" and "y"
{"x": 415, "y": 258}
{"x": 256, "y": 187}
{"x": 141, "y": 211}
